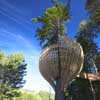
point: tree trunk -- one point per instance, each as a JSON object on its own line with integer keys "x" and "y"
{"x": 1, "y": 98}
{"x": 59, "y": 94}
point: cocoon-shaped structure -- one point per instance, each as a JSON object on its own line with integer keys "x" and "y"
{"x": 63, "y": 60}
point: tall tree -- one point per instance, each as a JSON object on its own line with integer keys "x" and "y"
{"x": 53, "y": 22}
{"x": 86, "y": 37}
{"x": 65, "y": 57}
{"x": 87, "y": 33}
{"x": 12, "y": 71}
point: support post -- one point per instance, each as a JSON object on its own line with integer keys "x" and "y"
{"x": 59, "y": 94}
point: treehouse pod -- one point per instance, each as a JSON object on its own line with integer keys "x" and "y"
{"x": 62, "y": 60}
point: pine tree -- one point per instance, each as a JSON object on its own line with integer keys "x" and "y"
{"x": 81, "y": 88}
{"x": 12, "y": 71}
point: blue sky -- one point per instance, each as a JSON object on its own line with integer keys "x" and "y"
{"x": 17, "y": 32}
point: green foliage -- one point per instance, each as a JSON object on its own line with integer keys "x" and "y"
{"x": 52, "y": 22}
{"x": 97, "y": 60}
{"x": 96, "y": 16}
{"x": 92, "y": 5}
{"x": 93, "y": 8}
{"x": 80, "y": 89}
{"x": 28, "y": 95}
{"x": 45, "y": 95}
{"x": 54, "y": 2}
{"x": 85, "y": 37}
{"x": 12, "y": 71}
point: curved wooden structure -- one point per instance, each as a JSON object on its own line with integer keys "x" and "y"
{"x": 90, "y": 76}
{"x": 63, "y": 60}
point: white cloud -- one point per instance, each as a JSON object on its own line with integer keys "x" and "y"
{"x": 16, "y": 37}
{"x": 14, "y": 14}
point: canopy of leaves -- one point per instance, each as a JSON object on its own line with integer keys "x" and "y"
{"x": 93, "y": 8}
{"x": 91, "y": 5}
{"x": 96, "y": 16}
{"x": 12, "y": 71}
{"x": 86, "y": 36}
{"x": 97, "y": 60}
{"x": 80, "y": 89}
{"x": 52, "y": 22}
